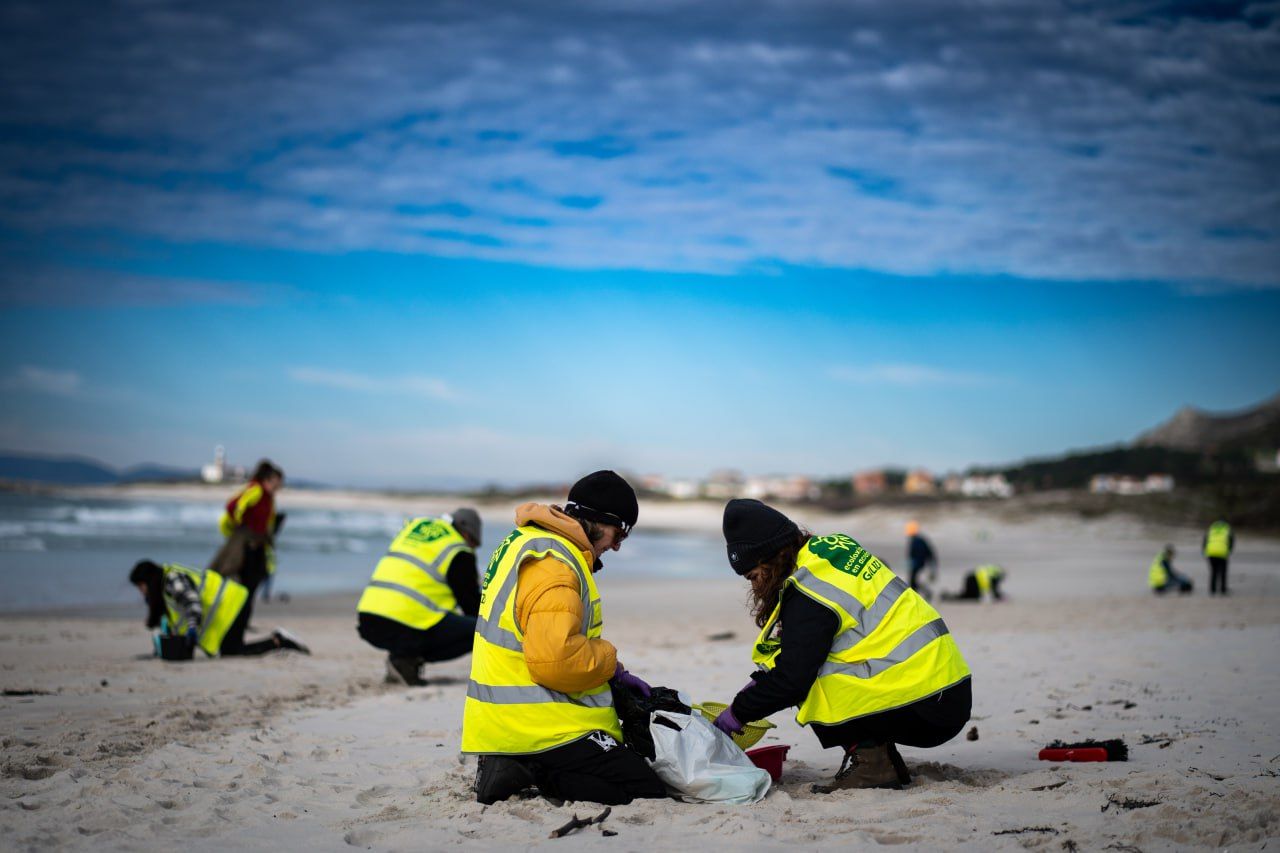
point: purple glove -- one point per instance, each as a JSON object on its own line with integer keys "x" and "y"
{"x": 625, "y": 679}
{"x": 728, "y": 723}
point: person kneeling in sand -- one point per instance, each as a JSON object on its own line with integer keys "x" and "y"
{"x": 407, "y": 610}
{"x": 203, "y": 608}
{"x": 984, "y": 580}
{"x": 868, "y": 661}
{"x": 1162, "y": 578}
{"x": 539, "y": 708}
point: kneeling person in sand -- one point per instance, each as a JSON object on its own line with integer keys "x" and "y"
{"x": 539, "y": 708}
{"x": 408, "y": 608}
{"x": 203, "y": 608}
{"x": 867, "y": 660}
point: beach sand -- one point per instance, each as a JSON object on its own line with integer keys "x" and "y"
{"x": 113, "y": 750}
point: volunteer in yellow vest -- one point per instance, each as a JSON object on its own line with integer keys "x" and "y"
{"x": 984, "y": 580}
{"x": 208, "y": 610}
{"x": 409, "y": 607}
{"x": 250, "y": 523}
{"x": 867, "y": 660}
{"x": 1161, "y": 577}
{"x": 539, "y": 708}
{"x": 1218, "y": 544}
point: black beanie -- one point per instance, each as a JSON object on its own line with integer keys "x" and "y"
{"x": 753, "y": 532}
{"x": 146, "y": 572}
{"x": 606, "y": 498}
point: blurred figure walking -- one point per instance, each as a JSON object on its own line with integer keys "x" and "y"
{"x": 249, "y": 522}
{"x": 1217, "y": 545}
{"x": 1162, "y": 578}
{"x": 408, "y": 608}
{"x": 920, "y": 554}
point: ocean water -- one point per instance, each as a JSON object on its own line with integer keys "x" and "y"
{"x": 73, "y": 552}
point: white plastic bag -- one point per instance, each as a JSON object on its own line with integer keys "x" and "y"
{"x": 701, "y": 764}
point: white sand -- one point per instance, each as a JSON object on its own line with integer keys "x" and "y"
{"x": 288, "y": 752}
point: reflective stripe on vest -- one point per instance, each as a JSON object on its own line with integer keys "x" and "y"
{"x": 1218, "y": 542}
{"x": 891, "y": 649}
{"x": 410, "y": 583}
{"x": 221, "y": 601}
{"x": 505, "y": 710}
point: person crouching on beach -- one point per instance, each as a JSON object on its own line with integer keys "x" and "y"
{"x": 204, "y": 609}
{"x": 408, "y": 608}
{"x": 867, "y": 660}
{"x": 539, "y": 708}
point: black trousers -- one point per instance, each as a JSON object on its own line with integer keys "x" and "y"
{"x": 930, "y": 722}
{"x": 449, "y": 638}
{"x": 233, "y": 643}
{"x": 253, "y": 571}
{"x": 594, "y": 769}
{"x": 916, "y": 569}
{"x": 1217, "y": 575}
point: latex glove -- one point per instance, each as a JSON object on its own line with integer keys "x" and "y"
{"x": 191, "y": 636}
{"x": 625, "y": 679}
{"x": 727, "y": 722}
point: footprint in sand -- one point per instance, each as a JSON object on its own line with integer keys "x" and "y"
{"x": 369, "y": 795}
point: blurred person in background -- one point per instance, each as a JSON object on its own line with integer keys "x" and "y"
{"x": 1218, "y": 543}
{"x": 1162, "y": 578}
{"x": 920, "y": 554}
{"x": 204, "y": 610}
{"x": 868, "y": 661}
{"x": 984, "y": 580}
{"x": 249, "y": 523}
{"x": 409, "y": 607}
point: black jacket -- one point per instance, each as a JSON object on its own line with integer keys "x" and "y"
{"x": 808, "y": 631}
{"x": 465, "y": 582}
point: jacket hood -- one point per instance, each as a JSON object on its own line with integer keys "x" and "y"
{"x": 557, "y": 521}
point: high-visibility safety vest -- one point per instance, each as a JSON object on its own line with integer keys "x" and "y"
{"x": 1218, "y": 541}
{"x": 986, "y": 576}
{"x": 221, "y": 601}
{"x": 506, "y": 711}
{"x": 1158, "y": 575}
{"x": 892, "y": 647}
{"x": 409, "y": 584}
{"x": 233, "y": 515}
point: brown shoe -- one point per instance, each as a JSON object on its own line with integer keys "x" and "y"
{"x": 864, "y": 767}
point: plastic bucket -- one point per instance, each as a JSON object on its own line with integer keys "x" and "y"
{"x": 169, "y": 647}
{"x": 751, "y": 732}
{"x": 770, "y": 758}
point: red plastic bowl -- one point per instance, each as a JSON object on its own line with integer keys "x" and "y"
{"x": 769, "y": 758}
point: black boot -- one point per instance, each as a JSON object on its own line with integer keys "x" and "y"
{"x": 407, "y": 671}
{"x": 499, "y": 777}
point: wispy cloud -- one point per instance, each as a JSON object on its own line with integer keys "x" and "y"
{"x": 345, "y": 380}
{"x": 908, "y": 375}
{"x": 79, "y": 287}
{"x": 43, "y": 380}
{"x": 1070, "y": 141}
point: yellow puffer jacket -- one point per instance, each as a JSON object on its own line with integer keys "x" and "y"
{"x": 549, "y": 607}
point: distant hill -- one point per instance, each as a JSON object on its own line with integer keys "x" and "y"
{"x": 1199, "y": 431}
{"x": 79, "y": 471}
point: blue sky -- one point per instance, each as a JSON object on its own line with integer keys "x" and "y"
{"x": 514, "y": 242}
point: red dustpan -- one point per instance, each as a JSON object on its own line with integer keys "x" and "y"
{"x": 769, "y": 758}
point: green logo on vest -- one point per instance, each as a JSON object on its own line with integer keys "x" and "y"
{"x": 845, "y": 555}
{"x": 428, "y": 530}
{"x": 496, "y": 559}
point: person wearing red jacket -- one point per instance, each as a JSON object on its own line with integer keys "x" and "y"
{"x": 249, "y": 523}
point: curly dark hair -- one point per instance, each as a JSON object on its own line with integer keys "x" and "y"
{"x": 774, "y": 572}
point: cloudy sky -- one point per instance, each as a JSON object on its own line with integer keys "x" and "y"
{"x": 406, "y": 243}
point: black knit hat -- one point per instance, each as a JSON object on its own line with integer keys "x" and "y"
{"x": 753, "y": 532}
{"x": 604, "y": 497}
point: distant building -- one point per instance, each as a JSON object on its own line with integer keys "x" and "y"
{"x": 787, "y": 488}
{"x": 215, "y": 471}
{"x": 952, "y": 484}
{"x": 1116, "y": 484}
{"x": 986, "y": 486}
{"x": 724, "y": 485}
{"x": 870, "y": 483}
{"x": 218, "y": 471}
{"x": 920, "y": 482}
